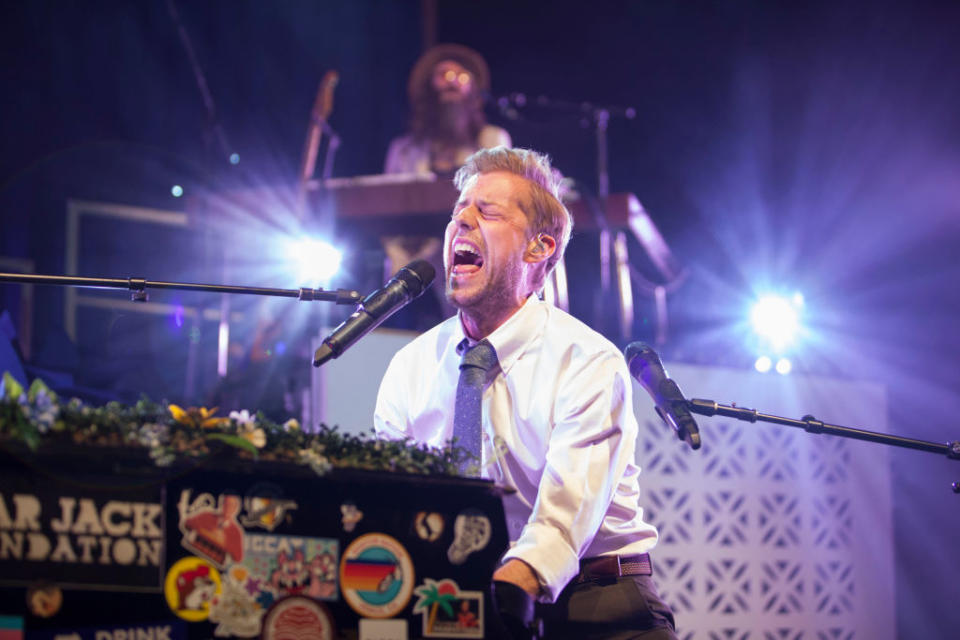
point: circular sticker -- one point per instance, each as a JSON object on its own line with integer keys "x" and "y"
{"x": 44, "y": 600}
{"x": 376, "y": 576}
{"x": 297, "y": 617}
{"x": 190, "y": 586}
{"x": 428, "y": 525}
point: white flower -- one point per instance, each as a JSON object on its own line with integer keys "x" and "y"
{"x": 317, "y": 461}
{"x": 243, "y": 418}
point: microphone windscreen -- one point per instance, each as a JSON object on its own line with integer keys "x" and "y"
{"x": 418, "y": 275}
{"x": 636, "y": 348}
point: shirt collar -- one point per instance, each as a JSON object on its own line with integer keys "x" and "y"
{"x": 511, "y": 338}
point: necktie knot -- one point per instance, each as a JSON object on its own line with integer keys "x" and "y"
{"x": 481, "y": 355}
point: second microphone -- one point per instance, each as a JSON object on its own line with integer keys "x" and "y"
{"x": 408, "y": 283}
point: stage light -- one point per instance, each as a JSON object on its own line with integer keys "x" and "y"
{"x": 234, "y": 158}
{"x": 317, "y": 261}
{"x": 776, "y": 320}
{"x": 176, "y": 191}
{"x": 784, "y": 366}
{"x": 763, "y": 364}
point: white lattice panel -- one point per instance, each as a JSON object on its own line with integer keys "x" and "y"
{"x": 769, "y": 532}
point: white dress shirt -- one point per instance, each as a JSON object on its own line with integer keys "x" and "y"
{"x": 558, "y": 426}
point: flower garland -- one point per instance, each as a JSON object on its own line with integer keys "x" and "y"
{"x": 36, "y": 416}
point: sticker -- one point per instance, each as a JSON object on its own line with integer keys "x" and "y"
{"x": 376, "y": 576}
{"x": 91, "y": 540}
{"x": 165, "y": 630}
{"x": 351, "y": 516}
{"x": 211, "y": 529}
{"x": 299, "y": 618}
{"x": 265, "y": 506}
{"x": 11, "y": 628}
{"x": 372, "y": 629}
{"x": 292, "y": 565}
{"x": 471, "y": 532}
{"x": 428, "y": 525}
{"x": 44, "y": 600}
{"x": 236, "y": 609}
{"x": 448, "y": 612}
{"x": 190, "y": 586}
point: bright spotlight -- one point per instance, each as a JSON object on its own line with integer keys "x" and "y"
{"x": 317, "y": 261}
{"x": 234, "y": 158}
{"x": 763, "y": 364}
{"x": 176, "y": 191}
{"x": 776, "y": 320}
{"x": 784, "y": 366}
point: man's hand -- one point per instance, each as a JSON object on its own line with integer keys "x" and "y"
{"x": 519, "y": 573}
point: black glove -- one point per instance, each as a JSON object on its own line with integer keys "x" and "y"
{"x": 514, "y": 606}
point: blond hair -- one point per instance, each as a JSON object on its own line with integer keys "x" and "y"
{"x": 544, "y": 210}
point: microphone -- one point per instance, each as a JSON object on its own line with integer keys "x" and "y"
{"x": 646, "y": 368}
{"x": 407, "y": 284}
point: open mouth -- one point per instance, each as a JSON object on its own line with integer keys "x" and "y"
{"x": 466, "y": 258}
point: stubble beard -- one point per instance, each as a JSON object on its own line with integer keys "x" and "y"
{"x": 489, "y": 302}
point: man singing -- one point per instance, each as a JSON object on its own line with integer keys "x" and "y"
{"x": 542, "y": 400}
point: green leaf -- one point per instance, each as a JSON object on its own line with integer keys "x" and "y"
{"x": 12, "y": 390}
{"x": 234, "y": 441}
{"x": 444, "y": 603}
{"x": 30, "y": 436}
{"x": 36, "y": 387}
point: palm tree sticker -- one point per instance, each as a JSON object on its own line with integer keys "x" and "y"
{"x": 435, "y": 595}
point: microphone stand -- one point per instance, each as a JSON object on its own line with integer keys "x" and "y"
{"x": 612, "y": 245}
{"x": 138, "y": 287}
{"x": 811, "y": 425}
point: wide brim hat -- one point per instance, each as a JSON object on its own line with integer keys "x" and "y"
{"x": 423, "y": 69}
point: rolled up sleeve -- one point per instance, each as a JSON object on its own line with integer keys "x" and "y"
{"x": 591, "y": 443}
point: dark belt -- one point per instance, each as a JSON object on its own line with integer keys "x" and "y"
{"x": 614, "y": 567}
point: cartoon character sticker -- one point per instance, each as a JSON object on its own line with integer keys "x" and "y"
{"x": 190, "y": 587}
{"x": 265, "y": 507}
{"x": 210, "y": 529}
{"x": 449, "y": 612}
{"x": 471, "y": 532}
{"x": 291, "y": 576}
{"x": 350, "y": 516}
{"x": 376, "y": 576}
{"x": 292, "y": 565}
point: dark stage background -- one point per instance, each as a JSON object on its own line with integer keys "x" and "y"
{"x": 807, "y": 145}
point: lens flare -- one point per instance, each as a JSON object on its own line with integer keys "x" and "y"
{"x": 763, "y": 364}
{"x": 775, "y": 320}
{"x": 317, "y": 261}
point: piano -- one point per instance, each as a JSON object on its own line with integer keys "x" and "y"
{"x": 101, "y": 544}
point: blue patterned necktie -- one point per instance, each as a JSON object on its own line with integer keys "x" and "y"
{"x": 467, "y": 419}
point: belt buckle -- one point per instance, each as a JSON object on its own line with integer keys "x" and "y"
{"x": 602, "y": 568}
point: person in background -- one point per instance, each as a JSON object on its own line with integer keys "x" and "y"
{"x": 446, "y": 89}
